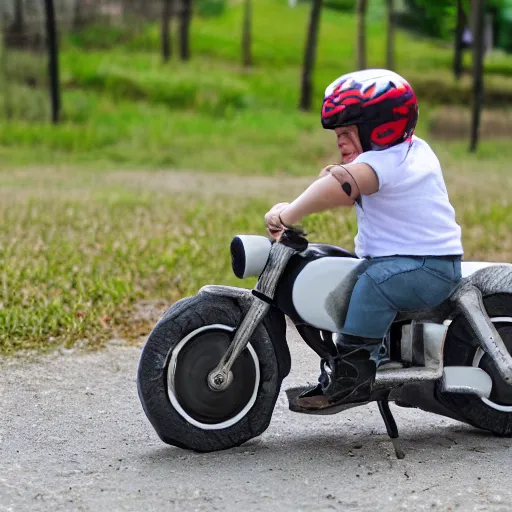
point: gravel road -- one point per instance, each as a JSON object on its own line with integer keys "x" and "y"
{"x": 73, "y": 437}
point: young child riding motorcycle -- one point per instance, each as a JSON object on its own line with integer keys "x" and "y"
{"x": 406, "y": 223}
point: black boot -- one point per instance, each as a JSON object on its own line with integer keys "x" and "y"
{"x": 312, "y": 399}
{"x": 353, "y": 370}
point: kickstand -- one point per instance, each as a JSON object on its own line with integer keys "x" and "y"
{"x": 391, "y": 427}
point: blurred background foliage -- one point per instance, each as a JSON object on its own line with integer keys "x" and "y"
{"x": 120, "y": 100}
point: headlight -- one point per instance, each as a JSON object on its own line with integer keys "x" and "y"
{"x": 249, "y": 255}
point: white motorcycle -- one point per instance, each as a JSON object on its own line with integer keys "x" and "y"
{"x": 211, "y": 370}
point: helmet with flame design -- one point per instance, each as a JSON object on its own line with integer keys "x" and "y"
{"x": 379, "y": 102}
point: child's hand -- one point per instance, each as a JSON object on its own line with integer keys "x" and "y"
{"x": 274, "y": 225}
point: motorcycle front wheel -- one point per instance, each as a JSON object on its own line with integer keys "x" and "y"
{"x": 183, "y": 348}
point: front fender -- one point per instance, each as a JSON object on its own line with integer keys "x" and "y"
{"x": 274, "y": 322}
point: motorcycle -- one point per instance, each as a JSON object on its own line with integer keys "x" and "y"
{"x": 211, "y": 370}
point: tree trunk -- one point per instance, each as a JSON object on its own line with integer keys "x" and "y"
{"x": 459, "y": 30}
{"x": 361, "y": 34}
{"x": 53, "y": 59}
{"x": 19, "y": 19}
{"x": 78, "y": 15}
{"x": 390, "y": 43}
{"x": 477, "y": 12}
{"x": 6, "y": 85}
{"x": 247, "y": 35}
{"x": 125, "y": 8}
{"x": 166, "y": 30}
{"x": 309, "y": 55}
{"x": 186, "y": 14}
{"x": 15, "y": 33}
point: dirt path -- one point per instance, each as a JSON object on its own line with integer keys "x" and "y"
{"x": 73, "y": 437}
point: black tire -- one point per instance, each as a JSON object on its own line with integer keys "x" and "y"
{"x": 181, "y": 319}
{"x": 460, "y": 349}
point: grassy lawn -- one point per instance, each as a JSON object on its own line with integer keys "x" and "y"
{"x": 135, "y": 196}
{"x": 123, "y": 107}
{"x": 81, "y": 250}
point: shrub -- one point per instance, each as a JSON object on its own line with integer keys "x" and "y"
{"x": 208, "y": 8}
{"x": 340, "y": 5}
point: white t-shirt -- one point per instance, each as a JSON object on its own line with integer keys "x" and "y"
{"x": 411, "y": 213}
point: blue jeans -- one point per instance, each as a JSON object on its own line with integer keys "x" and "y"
{"x": 398, "y": 283}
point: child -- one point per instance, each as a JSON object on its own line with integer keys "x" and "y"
{"x": 406, "y": 224}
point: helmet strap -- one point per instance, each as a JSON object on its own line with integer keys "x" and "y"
{"x": 364, "y": 137}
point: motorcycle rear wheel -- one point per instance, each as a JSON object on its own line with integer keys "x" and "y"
{"x": 462, "y": 349}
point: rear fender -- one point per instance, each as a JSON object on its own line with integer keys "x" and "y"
{"x": 489, "y": 278}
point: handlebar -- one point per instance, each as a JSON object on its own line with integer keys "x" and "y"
{"x": 295, "y": 238}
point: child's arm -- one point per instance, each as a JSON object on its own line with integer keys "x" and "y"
{"x": 340, "y": 187}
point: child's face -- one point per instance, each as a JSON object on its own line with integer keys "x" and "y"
{"x": 349, "y": 143}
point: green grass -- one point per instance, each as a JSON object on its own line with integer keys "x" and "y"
{"x": 84, "y": 244}
{"x": 81, "y": 250}
{"x": 122, "y": 106}
{"x": 142, "y": 135}
{"x": 75, "y": 259}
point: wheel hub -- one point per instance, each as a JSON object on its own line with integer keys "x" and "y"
{"x": 219, "y": 381}
{"x": 193, "y": 361}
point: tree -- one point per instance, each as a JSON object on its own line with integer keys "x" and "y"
{"x": 53, "y": 59}
{"x": 390, "y": 46}
{"x": 3, "y": 68}
{"x": 459, "y": 31}
{"x": 438, "y": 18}
{"x": 78, "y": 15}
{"x": 166, "y": 30}
{"x": 247, "y": 35}
{"x": 477, "y": 15}
{"x": 435, "y": 18}
{"x": 186, "y": 14}
{"x": 309, "y": 55}
{"x": 361, "y": 34}
{"x": 15, "y": 33}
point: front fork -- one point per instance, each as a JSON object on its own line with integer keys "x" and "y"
{"x": 221, "y": 377}
{"x": 469, "y": 300}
